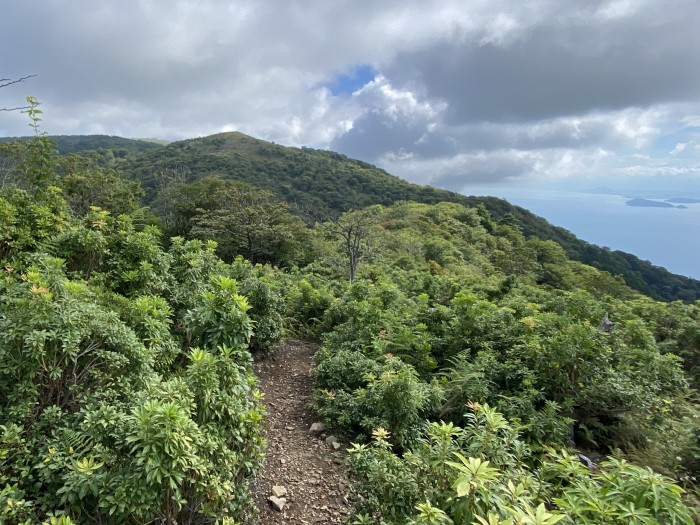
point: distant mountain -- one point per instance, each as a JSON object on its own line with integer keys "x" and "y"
{"x": 86, "y": 144}
{"x": 160, "y": 142}
{"x": 326, "y": 182}
{"x": 120, "y": 147}
{"x": 329, "y": 182}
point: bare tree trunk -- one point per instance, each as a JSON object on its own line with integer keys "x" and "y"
{"x": 353, "y": 229}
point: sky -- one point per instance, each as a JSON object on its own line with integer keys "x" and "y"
{"x": 543, "y": 93}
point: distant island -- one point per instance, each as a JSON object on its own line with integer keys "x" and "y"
{"x": 646, "y": 203}
{"x": 684, "y": 200}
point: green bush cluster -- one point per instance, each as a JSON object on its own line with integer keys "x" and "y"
{"x": 462, "y": 354}
{"x": 260, "y": 285}
{"x": 359, "y": 394}
{"x": 128, "y": 391}
{"x": 544, "y": 364}
{"x": 485, "y": 474}
{"x": 414, "y": 340}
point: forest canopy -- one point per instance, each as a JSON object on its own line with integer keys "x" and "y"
{"x": 330, "y": 183}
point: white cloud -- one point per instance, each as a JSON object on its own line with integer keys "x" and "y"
{"x": 679, "y": 148}
{"x": 617, "y": 9}
{"x": 484, "y": 90}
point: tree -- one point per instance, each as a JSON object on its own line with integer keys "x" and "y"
{"x": 247, "y": 221}
{"x": 29, "y": 164}
{"x": 353, "y": 229}
{"x": 178, "y": 204}
{"x": 86, "y": 184}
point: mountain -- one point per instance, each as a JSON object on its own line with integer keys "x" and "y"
{"x": 327, "y": 183}
{"x": 455, "y": 336}
{"x": 119, "y": 147}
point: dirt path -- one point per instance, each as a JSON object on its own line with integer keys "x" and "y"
{"x": 311, "y": 470}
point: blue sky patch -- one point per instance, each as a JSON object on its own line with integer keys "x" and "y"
{"x": 664, "y": 144}
{"x": 348, "y": 83}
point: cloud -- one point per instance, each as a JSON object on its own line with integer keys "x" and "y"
{"x": 503, "y": 166}
{"x": 679, "y": 148}
{"x": 565, "y": 63}
{"x": 485, "y": 91}
{"x": 389, "y": 120}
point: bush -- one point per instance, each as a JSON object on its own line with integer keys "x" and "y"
{"x": 307, "y": 302}
{"x": 358, "y": 394}
{"x": 480, "y": 474}
{"x": 266, "y": 303}
{"x": 106, "y": 414}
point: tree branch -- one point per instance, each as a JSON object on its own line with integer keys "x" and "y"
{"x": 4, "y": 82}
{"x": 15, "y": 109}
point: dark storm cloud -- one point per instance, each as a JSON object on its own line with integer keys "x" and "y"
{"x": 564, "y": 66}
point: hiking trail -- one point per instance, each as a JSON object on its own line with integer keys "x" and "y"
{"x": 304, "y": 470}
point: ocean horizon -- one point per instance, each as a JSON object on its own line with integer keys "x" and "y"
{"x": 665, "y": 237}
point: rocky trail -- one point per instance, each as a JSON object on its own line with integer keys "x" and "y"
{"x": 303, "y": 480}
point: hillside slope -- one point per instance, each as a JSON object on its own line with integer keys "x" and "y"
{"x": 327, "y": 183}
{"x": 331, "y": 182}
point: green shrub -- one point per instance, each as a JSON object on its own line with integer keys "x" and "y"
{"x": 307, "y": 302}
{"x": 265, "y": 300}
{"x": 105, "y": 416}
{"x": 28, "y": 221}
{"x": 220, "y": 318}
{"x": 358, "y": 394}
{"x": 484, "y": 474}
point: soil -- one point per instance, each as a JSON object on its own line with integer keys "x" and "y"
{"x": 312, "y": 471}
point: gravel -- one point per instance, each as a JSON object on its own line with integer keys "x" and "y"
{"x": 311, "y": 470}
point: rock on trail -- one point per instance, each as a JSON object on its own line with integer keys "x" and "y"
{"x": 303, "y": 480}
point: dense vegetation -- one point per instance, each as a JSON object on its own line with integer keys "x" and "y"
{"x": 466, "y": 361}
{"x": 126, "y": 380}
{"x": 109, "y": 149}
{"x": 469, "y": 362}
{"x": 330, "y": 183}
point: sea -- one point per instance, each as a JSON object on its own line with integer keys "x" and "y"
{"x": 668, "y": 237}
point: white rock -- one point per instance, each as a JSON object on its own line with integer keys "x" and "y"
{"x": 279, "y": 491}
{"x": 277, "y": 503}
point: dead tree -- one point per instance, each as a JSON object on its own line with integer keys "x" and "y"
{"x": 353, "y": 229}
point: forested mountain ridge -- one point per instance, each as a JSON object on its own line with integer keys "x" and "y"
{"x": 329, "y": 183}
{"x": 87, "y": 144}
{"x": 324, "y": 180}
